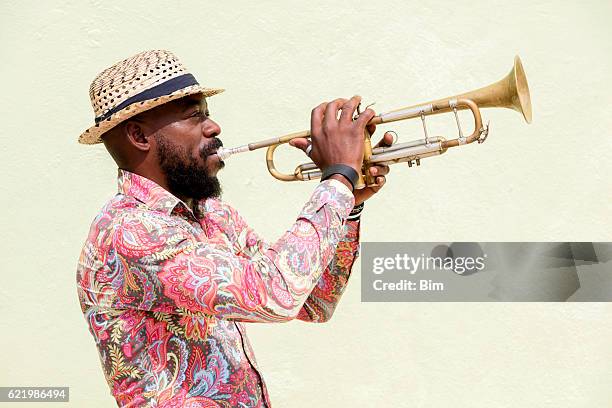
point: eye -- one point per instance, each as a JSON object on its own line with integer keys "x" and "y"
{"x": 200, "y": 114}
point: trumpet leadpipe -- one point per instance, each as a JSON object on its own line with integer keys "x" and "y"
{"x": 225, "y": 152}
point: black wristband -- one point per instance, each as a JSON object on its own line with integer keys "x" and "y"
{"x": 347, "y": 172}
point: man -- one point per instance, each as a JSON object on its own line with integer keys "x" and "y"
{"x": 169, "y": 272}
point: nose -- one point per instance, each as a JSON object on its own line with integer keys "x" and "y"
{"x": 210, "y": 128}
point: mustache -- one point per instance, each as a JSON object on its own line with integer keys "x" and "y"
{"x": 211, "y": 148}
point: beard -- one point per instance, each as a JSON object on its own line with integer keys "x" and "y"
{"x": 186, "y": 176}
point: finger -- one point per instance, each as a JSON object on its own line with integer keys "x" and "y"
{"x": 386, "y": 141}
{"x": 316, "y": 119}
{"x": 301, "y": 143}
{"x": 331, "y": 112}
{"x": 365, "y": 117}
{"x": 371, "y": 128}
{"x": 380, "y": 182}
{"x": 348, "y": 109}
{"x": 381, "y": 170}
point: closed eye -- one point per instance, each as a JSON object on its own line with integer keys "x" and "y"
{"x": 201, "y": 114}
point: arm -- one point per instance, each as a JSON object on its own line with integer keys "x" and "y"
{"x": 155, "y": 265}
{"x": 320, "y": 305}
{"x": 322, "y": 301}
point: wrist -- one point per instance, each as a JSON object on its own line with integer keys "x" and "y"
{"x": 342, "y": 170}
{"x": 341, "y": 179}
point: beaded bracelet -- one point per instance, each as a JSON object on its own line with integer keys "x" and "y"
{"x": 355, "y": 212}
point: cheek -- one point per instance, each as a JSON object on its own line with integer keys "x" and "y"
{"x": 188, "y": 137}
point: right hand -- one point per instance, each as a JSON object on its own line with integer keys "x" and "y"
{"x": 337, "y": 140}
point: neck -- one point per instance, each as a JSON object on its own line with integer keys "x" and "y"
{"x": 160, "y": 178}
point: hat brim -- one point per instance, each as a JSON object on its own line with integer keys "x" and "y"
{"x": 93, "y": 135}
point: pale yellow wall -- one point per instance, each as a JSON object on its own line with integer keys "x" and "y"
{"x": 546, "y": 181}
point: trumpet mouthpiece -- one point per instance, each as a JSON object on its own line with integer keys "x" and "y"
{"x": 225, "y": 152}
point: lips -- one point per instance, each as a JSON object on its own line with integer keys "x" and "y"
{"x": 211, "y": 148}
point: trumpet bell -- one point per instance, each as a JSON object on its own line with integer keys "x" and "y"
{"x": 523, "y": 99}
{"x": 510, "y": 92}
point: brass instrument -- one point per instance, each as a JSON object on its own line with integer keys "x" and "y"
{"x": 510, "y": 92}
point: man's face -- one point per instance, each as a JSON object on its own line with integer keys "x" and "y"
{"x": 185, "y": 141}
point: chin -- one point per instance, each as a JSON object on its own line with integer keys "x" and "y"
{"x": 215, "y": 167}
{"x": 213, "y": 170}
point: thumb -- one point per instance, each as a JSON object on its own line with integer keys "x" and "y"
{"x": 300, "y": 142}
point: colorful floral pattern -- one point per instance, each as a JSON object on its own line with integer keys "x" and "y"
{"x": 165, "y": 290}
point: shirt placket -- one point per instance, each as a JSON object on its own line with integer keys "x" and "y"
{"x": 203, "y": 226}
{"x": 253, "y": 364}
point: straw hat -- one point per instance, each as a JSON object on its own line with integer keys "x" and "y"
{"x": 137, "y": 84}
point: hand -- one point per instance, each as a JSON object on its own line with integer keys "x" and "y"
{"x": 336, "y": 140}
{"x": 378, "y": 171}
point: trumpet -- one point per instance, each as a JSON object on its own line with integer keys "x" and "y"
{"x": 510, "y": 92}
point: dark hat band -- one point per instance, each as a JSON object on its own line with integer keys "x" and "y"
{"x": 165, "y": 88}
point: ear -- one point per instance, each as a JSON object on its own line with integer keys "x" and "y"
{"x": 136, "y": 135}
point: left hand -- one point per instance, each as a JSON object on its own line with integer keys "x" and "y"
{"x": 378, "y": 171}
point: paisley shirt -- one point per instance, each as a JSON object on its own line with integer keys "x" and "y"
{"x": 165, "y": 290}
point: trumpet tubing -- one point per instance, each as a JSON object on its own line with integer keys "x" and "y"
{"x": 510, "y": 92}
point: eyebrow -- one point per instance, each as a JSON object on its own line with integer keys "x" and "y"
{"x": 189, "y": 103}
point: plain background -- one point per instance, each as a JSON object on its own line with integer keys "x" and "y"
{"x": 549, "y": 181}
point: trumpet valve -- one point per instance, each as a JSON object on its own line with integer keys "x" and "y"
{"x": 416, "y": 161}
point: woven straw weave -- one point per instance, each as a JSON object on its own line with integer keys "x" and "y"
{"x": 128, "y": 78}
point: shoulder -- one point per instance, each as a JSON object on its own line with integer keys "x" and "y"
{"x": 109, "y": 215}
{"x": 126, "y": 222}
{"x": 94, "y": 253}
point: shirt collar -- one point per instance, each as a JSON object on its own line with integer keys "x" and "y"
{"x": 150, "y": 193}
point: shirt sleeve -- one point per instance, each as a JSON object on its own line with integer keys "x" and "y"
{"x": 322, "y": 301}
{"x": 153, "y": 264}
{"x": 325, "y": 296}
